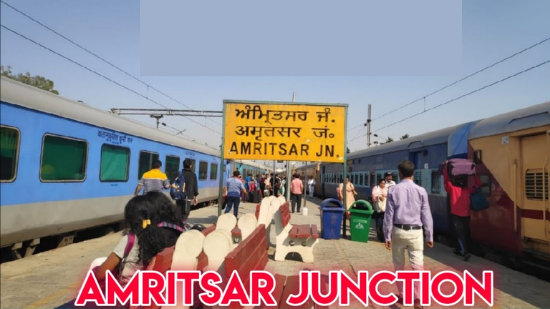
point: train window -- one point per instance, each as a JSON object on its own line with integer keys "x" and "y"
{"x": 436, "y": 183}
{"x": 115, "y": 161}
{"x": 485, "y": 184}
{"x": 477, "y": 156}
{"x": 536, "y": 188}
{"x": 361, "y": 179}
{"x": 172, "y": 167}
{"x": 9, "y": 150}
{"x": 63, "y": 159}
{"x": 203, "y": 170}
{"x": 372, "y": 182}
{"x": 213, "y": 171}
{"x": 193, "y": 167}
{"x": 146, "y": 159}
{"x": 417, "y": 177}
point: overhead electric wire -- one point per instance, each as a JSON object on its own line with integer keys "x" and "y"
{"x": 459, "y": 97}
{"x": 95, "y": 72}
{"x": 464, "y": 78}
{"x": 458, "y": 81}
{"x": 99, "y": 57}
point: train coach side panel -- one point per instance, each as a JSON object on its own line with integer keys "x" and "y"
{"x": 495, "y": 227}
{"x": 33, "y": 208}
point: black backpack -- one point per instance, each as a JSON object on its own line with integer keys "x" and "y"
{"x": 177, "y": 189}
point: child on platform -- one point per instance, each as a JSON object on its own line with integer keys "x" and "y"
{"x": 152, "y": 224}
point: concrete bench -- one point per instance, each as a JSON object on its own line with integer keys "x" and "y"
{"x": 265, "y": 211}
{"x": 187, "y": 254}
{"x": 238, "y": 230}
{"x": 294, "y": 238}
{"x": 250, "y": 255}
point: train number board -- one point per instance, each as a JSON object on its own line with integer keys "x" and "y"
{"x": 284, "y": 131}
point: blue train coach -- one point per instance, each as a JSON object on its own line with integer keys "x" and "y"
{"x": 68, "y": 167}
{"x": 427, "y": 151}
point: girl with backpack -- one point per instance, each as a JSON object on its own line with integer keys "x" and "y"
{"x": 152, "y": 224}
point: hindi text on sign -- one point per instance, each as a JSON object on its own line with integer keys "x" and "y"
{"x": 296, "y": 132}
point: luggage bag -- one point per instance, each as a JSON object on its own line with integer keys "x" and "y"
{"x": 461, "y": 167}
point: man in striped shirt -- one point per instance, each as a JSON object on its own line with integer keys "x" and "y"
{"x": 153, "y": 180}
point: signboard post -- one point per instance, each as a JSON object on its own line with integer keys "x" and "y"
{"x": 287, "y": 131}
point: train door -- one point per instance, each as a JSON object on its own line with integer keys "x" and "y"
{"x": 535, "y": 160}
{"x": 415, "y": 157}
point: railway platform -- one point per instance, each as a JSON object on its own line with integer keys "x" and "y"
{"x": 52, "y": 279}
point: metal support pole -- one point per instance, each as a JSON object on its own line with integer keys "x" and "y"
{"x": 273, "y": 178}
{"x": 222, "y": 163}
{"x": 368, "y": 128}
{"x": 344, "y": 187}
{"x": 305, "y": 185}
{"x": 288, "y": 171}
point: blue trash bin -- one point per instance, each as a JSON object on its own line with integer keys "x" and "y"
{"x": 332, "y": 211}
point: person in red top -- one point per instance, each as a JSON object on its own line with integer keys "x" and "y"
{"x": 459, "y": 194}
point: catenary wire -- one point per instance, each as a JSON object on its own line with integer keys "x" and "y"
{"x": 464, "y": 78}
{"x": 99, "y": 57}
{"x": 97, "y": 73}
{"x": 459, "y": 97}
{"x": 458, "y": 81}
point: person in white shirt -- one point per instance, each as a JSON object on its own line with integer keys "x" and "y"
{"x": 389, "y": 182}
{"x": 379, "y": 195}
{"x": 311, "y": 185}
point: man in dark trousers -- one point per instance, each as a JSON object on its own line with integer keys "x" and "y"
{"x": 459, "y": 194}
{"x": 191, "y": 189}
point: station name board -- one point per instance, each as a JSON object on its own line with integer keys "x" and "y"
{"x": 284, "y": 131}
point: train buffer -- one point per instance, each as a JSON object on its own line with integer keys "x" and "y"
{"x": 54, "y": 278}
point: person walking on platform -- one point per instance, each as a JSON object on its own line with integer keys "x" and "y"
{"x": 389, "y": 180}
{"x": 379, "y": 198}
{"x": 311, "y": 185}
{"x": 460, "y": 209}
{"x": 191, "y": 189}
{"x": 296, "y": 191}
{"x": 350, "y": 192}
{"x": 407, "y": 215}
{"x": 235, "y": 188}
{"x": 153, "y": 180}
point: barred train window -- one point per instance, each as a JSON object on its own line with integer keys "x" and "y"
{"x": 172, "y": 167}
{"x": 536, "y": 188}
{"x": 203, "y": 170}
{"x": 485, "y": 184}
{"x": 418, "y": 177}
{"x": 114, "y": 163}
{"x": 436, "y": 185}
{"x": 146, "y": 159}
{"x": 9, "y": 148}
{"x": 213, "y": 171}
{"x": 63, "y": 159}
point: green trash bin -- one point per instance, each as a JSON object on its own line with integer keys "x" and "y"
{"x": 360, "y": 220}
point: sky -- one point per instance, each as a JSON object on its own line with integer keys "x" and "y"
{"x": 491, "y": 30}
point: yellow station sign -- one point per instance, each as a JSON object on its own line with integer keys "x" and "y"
{"x": 290, "y": 132}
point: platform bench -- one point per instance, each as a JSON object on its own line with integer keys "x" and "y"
{"x": 298, "y": 238}
{"x": 250, "y": 255}
{"x": 162, "y": 262}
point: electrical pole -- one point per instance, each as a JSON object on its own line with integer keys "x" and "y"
{"x": 288, "y": 172}
{"x": 273, "y": 178}
{"x": 368, "y": 128}
{"x": 305, "y": 186}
